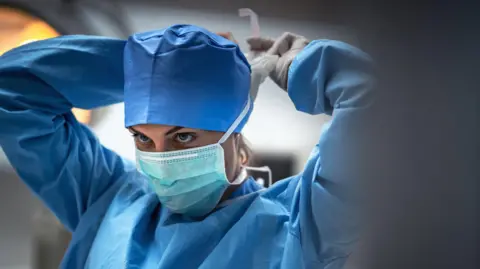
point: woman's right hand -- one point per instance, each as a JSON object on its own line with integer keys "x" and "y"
{"x": 227, "y": 35}
{"x": 286, "y": 47}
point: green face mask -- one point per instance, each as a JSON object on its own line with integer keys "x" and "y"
{"x": 191, "y": 181}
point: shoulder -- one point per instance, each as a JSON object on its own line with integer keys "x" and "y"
{"x": 133, "y": 186}
{"x": 130, "y": 187}
{"x": 283, "y": 191}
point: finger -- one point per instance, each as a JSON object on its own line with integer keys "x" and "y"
{"x": 283, "y": 44}
{"x": 260, "y": 44}
{"x": 223, "y": 34}
{"x": 299, "y": 43}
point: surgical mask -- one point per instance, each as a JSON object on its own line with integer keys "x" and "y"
{"x": 192, "y": 181}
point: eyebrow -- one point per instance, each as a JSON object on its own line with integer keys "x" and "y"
{"x": 131, "y": 129}
{"x": 173, "y": 130}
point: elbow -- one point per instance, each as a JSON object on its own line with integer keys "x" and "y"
{"x": 326, "y": 75}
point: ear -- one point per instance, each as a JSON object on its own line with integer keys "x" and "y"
{"x": 241, "y": 152}
{"x": 243, "y": 157}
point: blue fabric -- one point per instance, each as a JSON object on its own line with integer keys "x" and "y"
{"x": 185, "y": 76}
{"x": 249, "y": 186}
{"x": 299, "y": 222}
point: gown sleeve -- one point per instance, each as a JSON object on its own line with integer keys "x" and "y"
{"x": 333, "y": 78}
{"x": 61, "y": 160}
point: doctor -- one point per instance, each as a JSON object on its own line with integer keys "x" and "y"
{"x": 186, "y": 94}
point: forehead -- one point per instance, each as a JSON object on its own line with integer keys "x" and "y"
{"x": 148, "y": 128}
{"x": 161, "y": 129}
{"x": 156, "y": 130}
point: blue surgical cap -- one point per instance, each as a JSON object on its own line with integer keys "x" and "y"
{"x": 185, "y": 76}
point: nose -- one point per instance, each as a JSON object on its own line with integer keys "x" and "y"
{"x": 160, "y": 145}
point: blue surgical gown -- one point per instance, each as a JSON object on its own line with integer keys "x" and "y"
{"x": 305, "y": 221}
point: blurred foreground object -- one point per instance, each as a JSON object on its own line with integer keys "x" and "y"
{"x": 423, "y": 185}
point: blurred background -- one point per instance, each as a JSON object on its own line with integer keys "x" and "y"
{"x": 23, "y": 241}
{"x": 421, "y": 158}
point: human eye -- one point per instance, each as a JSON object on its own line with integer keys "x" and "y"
{"x": 184, "y": 138}
{"x": 141, "y": 138}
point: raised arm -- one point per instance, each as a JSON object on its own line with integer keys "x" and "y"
{"x": 334, "y": 78}
{"x": 60, "y": 159}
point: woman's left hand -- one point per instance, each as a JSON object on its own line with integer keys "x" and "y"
{"x": 286, "y": 47}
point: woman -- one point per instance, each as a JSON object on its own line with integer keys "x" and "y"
{"x": 186, "y": 94}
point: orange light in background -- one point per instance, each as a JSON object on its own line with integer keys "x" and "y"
{"x": 37, "y": 30}
{"x": 19, "y": 28}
